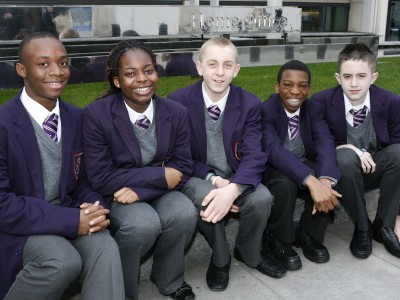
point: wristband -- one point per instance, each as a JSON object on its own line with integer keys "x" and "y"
{"x": 215, "y": 179}
{"x": 209, "y": 175}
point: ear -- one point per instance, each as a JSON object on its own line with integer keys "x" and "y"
{"x": 374, "y": 77}
{"x": 21, "y": 70}
{"x": 337, "y": 76}
{"x": 237, "y": 68}
{"x": 116, "y": 82}
{"x": 277, "y": 87}
{"x": 198, "y": 67}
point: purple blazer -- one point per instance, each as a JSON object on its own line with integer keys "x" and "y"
{"x": 385, "y": 110}
{"x": 23, "y": 210}
{"x": 241, "y": 133}
{"x": 314, "y": 133}
{"x": 113, "y": 156}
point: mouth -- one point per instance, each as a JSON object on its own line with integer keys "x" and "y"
{"x": 218, "y": 81}
{"x": 142, "y": 90}
{"x": 294, "y": 101}
{"x": 55, "y": 84}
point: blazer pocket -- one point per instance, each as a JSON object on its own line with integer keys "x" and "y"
{"x": 77, "y": 160}
{"x": 237, "y": 149}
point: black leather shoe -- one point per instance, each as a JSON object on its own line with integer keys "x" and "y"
{"x": 283, "y": 253}
{"x": 184, "y": 292}
{"x": 361, "y": 243}
{"x": 218, "y": 277}
{"x": 312, "y": 249}
{"x": 267, "y": 265}
{"x": 386, "y": 236}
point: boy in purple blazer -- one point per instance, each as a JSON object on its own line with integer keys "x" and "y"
{"x": 226, "y": 147}
{"x": 52, "y": 224}
{"x": 301, "y": 159}
{"x": 365, "y": 122}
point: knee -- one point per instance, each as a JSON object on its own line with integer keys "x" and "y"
{"x": 348, "y": 162}
{"x": 260, "y": 202}
{"x": 64, "y": 268}
{"x": 138, "y": 232}
{"x": 393, "y": 154}
{"x": 183, "y": 217}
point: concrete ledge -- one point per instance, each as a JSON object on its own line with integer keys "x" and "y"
{"x": 199, "y": 251}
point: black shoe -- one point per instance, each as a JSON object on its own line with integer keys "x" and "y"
{"x": 361, "y": 243}
{"x": 267, "y": 265}
{"x": 312, "y": 249}
{"x": 283, "y": 253}
{"x": 386, "y": 236}
{"x": 184, "y": 292}
{"x": 218, "y": 277}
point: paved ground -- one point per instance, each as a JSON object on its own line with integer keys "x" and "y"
{"x": 343, "y": 277}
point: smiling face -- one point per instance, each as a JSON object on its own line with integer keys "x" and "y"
{"x": 356, "y": 77}
{"x": 137, "y": 78}
{"x": 218, "y": 66}
{"x": 44, "y": 68}
{"x": 293, "y": 89}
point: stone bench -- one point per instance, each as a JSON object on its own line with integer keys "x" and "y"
{"x": 199, "y": 251}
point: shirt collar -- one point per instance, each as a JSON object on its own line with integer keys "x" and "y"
{"x": 221, "y": 103}
{"x": 134, "y": 115}
{"x": 296, "y": 113}
{"x": 38, "y": 112}
{"x": 348, "y": 106}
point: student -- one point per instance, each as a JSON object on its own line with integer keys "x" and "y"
{"x": 51, "y": 222}
{"x": 364, "y": 120}
{"x": 226, "y": 146}
{"x": 301, "y": 158}
{"x": 137, "y": 147}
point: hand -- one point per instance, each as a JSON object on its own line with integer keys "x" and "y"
{"x": 92, "y": 218}
{"x": 367, "y": 163}
{"x": 125, "y": 196}
{"x": 220, "y": 182}
{"x": 324, "y": 197}
{"x": 219, "y": 202}
{"x": 173, "y": 177}
{"x": 234, "y": 208}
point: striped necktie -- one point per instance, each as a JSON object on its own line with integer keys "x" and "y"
{"x": 359, "y": 116}
{"x": 293, "y": 127}
{"x": 142, "y": 122}
{"x": 50, "y": 125}
{"x": 214, "y": 112}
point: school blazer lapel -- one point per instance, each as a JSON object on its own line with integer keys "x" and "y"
{"x": 27, "y": 138}
{"x": 123, "y": 125}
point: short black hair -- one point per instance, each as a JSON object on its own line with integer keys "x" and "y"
{"x": 30, "y": 37}
{"x": 294, "y": 65}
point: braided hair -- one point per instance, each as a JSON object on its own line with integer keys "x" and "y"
{"x": 113, "y": 62}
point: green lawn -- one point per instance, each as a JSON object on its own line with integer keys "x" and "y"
{"x": 258, "y": 80}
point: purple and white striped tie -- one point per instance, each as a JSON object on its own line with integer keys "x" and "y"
{"x": 50, "y": 125}
{"x": 293, "y": 127}
{"x": 359, "y": 116}
{"x": 214, "y": 112}
{"x": 142, "y": 122}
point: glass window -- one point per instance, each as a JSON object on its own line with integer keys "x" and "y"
{"x": 323, "y": 17}
{"x": 393, "y": 24}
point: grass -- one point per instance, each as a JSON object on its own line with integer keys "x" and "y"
{"x": 258, "y": 80}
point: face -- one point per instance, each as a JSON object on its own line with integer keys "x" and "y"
{"x": 218, "y": 68}
{"x": 355, "y": 78}
{"x": 44, "y": 68}
{"x": 293, "y": 89}
{"x": 137, "y": 79}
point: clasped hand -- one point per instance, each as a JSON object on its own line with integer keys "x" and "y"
{"x": 93, "y": 218}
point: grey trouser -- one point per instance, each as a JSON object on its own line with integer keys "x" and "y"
{"x": 168, "y": 222}
{"x": 254, "y": 211}
{"x": 51, "y": 263}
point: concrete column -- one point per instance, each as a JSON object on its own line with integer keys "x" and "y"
{"x": 214, "y": 2}
{"x": 362, "y": 16}
{"x": 275, "y": 3}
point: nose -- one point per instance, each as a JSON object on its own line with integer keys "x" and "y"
{"x": 354, "y": 81}
{"x": 56, "y": 70}
{"x": 141, "y": 77}
{"x": 220, "y": 70}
